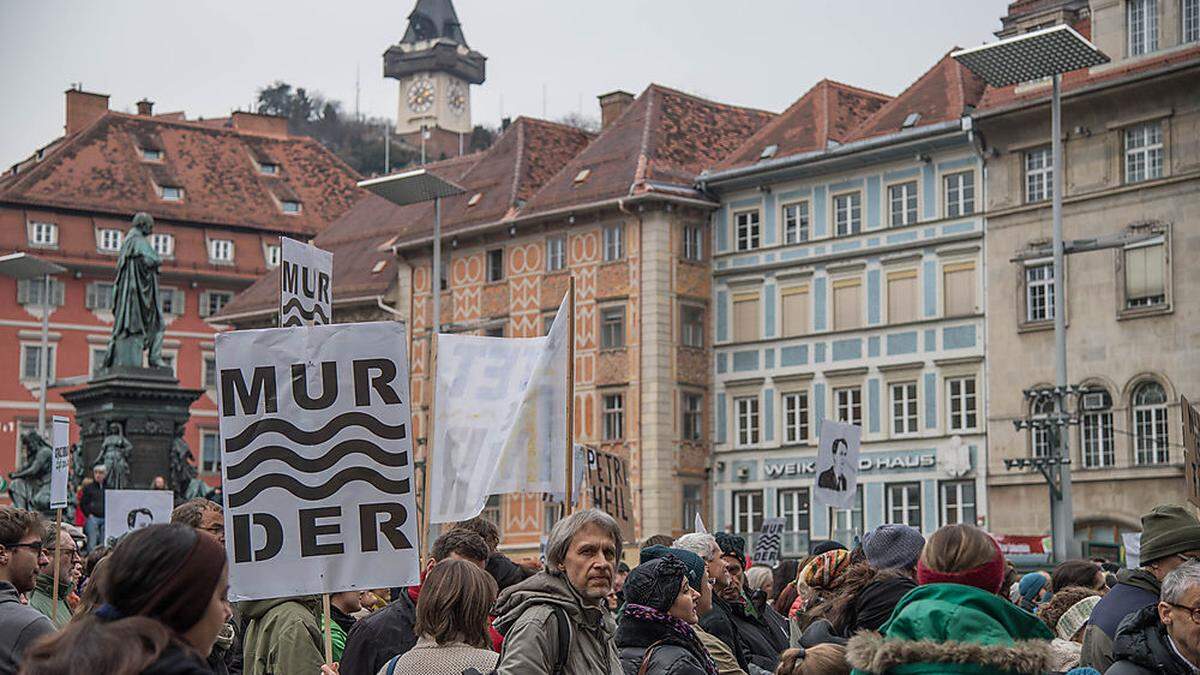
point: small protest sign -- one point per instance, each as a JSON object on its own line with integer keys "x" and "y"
{"x": 769, "y": 542}
{"x": 60, "y": 473}
{"x": 305, "y": 284}
{"x": 837, "y": 464}
{"x": 129, "y": 510}
{"x": 608, "y": 488}
{"x": 317, "y": 459}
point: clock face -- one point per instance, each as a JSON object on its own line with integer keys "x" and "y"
{"x": 420, "y": 95}
{"x": 457, "y": 99}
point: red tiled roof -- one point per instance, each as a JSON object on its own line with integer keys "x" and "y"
{"x": 664, "y": 137}
{"x": 945, "y": 92}
{"x": 828, "y": 111}
{"x": 101, "y": 169}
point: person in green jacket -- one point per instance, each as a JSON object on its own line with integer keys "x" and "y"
{"x": 283, "y": 636}
{"x": 42, "y": 597}
{"x": 955, "y": 621}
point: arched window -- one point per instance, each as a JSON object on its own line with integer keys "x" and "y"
{"x": 1098, "y": 447}
{"x": 1150, "y": 424}
{"x": 1042, "y": 434}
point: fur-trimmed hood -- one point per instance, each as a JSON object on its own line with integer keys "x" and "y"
{"x": 870, "y": 652}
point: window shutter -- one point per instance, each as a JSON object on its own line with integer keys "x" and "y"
{"x": 958, "y": 282}
{"x": 847, "y": 304}
{"x": 90, "y": 297}
{"x": 902, "y": 296}
{"x": 795, "y": 311}
{"x": 57, "y": 292}
{"x": 23, "y": 291}
{"x": 745, "y": 317}
{"x": 178, "y": 301}
{"x": 204, "y": 303}
{"x": 1144, "y": 271}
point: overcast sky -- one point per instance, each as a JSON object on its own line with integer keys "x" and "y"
{"x": 208, "y": 57}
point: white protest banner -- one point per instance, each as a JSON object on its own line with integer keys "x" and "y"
{"x": 500, "y": 419}
{"x": 129, "y": 510}
{"x": 305, "y": 284}
{"x": 316, "y": 458}
{"x": 837, "y": 464}
{"x": 62, "y": 462}
{"x": 769, "y": 542}
{"x": 608, "y": 485}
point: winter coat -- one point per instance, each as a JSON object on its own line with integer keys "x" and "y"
{"x": 671, "y": 654}
{"x": 718, "y": 623}
{"x": 1142, "y": 647}
{"x": 1135, "y": 589}
{"x": 952, "y": 628}
{"x": 525, "y": 616}
{"x": 20, "y": 625}
{"x": 93, "y": 500}
{"x": 505, "y": 571}
{"x": 762, "y": 641}
{"x": 377, "y": 637}
{"x": 874, "y": 604}
{"x": 179, "y": 660}
{"x": 42, "y": 598}
{"x": 1064, "y": 655}
{"x": 719, "y": 651}
{"x": 429, "y": 658}
{"x": 282, "y": 636}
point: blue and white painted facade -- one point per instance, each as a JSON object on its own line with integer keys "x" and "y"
{"x": 934, "y": 343}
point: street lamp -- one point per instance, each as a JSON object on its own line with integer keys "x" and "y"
{"x": 26, "y": 266}
{"x": 1049, "y": 52}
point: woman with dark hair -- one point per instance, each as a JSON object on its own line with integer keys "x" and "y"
{"x": 1083, "y": 573}
{"x": 163, "y": 590}
{"x": 656, "y": 635}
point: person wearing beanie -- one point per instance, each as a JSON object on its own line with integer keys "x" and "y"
{"x": 822, "y": 545}
{"x": 822, "y": 577}
{"x": 1170, "y": 537}
{"x": 1066, "y": 614}
{"x": 163, "y": 603}
{"x": 656, "y": 635}
{"x": 955, "y": 622}
{"x": 763, "y": 638}
{"x": 893, "y": 546}
{"x": 1033, "y": 590}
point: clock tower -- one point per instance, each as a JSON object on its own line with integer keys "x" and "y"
{"x": 436, "y": 69}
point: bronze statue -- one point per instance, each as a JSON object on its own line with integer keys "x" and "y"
{"x": 184, "y": 480}
{"x": 115, "y": 452}
{"x": 79, "y": 468}
{"x": 30, "y": 485}
{"x": 137, "y": 316}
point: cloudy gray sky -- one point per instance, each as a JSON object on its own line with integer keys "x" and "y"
{"x": 208, "y": 57}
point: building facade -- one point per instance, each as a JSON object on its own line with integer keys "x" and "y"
{"x": 221, "y": 191}
{"x": 1132, "y": 198}
{"x": 848, "y": 272}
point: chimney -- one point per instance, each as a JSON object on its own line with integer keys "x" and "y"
{"x": 505, "y": 122}
{"x": 612, "y": 105}
{"x": 145, "y": 107}
{"x": 83, "y": 108}
{"x": 255, "y": 123}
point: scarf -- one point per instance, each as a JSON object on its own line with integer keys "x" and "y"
{"x": 679, "y": 627}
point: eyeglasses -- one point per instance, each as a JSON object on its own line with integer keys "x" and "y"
{"x": 1193, "y": 612}
{"x": 65, "y": 553}
{"x": 35, "y": 546}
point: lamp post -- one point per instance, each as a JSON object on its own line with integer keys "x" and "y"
{"x": 27, "y": 266}
{"x": 1049, "y": 52}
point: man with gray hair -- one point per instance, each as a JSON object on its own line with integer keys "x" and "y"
{"x": 557, "y": 621}
{"x": 1163, "y": 639}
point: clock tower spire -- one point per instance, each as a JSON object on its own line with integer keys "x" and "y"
{"x": 436, "y": 69}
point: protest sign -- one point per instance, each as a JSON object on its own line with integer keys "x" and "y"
{"x": 1191, "y": 449}
{"x": 500, "y": 419}
{"x": 62, "y": 461}
{"x": 305, "y": 284}
{"x": 837, "y": 464}
{"x": 129, "y": 510}
{"x": 769, "y": 542}
{"x": 316, "y": 459}
{"x": 608, "y": 488}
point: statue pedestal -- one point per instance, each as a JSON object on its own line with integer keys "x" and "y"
{"x": 148, "y": 403}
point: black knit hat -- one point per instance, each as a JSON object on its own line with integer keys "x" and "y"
{"x": 731, "y": 545}
{"x": 655, "y": 583}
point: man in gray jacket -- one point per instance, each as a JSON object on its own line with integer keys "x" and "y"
{"x": 556, "y": 622}
{"x": 21, "y": 555}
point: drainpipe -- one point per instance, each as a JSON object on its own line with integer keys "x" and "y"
{"x": 978, "y": 147}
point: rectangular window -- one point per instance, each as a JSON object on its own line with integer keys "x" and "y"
{"x": 957, "y": 502}
{"x": 962, "y": 403}
{"x": 209, "y": 375}
{"x": 693, "y": 417}
{"x": 848, "y": 402}
{"x": 268, "y": 168}
{"x": 215, "y": 301}
{"x": 795, "y": 223}
{"x": 614, "y": 417}
{"x": 495, "y": 265}
{"x": 556, "y": 254}
{"x": 612, "y": 327}
{"x": 958, "y": 286}
{"x": 847, "y": 214}
{"x": 904, "y": 408}
{"x": 795, "y": 417}
{"x": 1143, "y": 152}
{"x": 210, "y": 451}
{"x": 746, "y": 226}
{"x": 746, "y": 318}
{"x": 903, "y": 201}
{"x": 152, "y": 155}
{"x": 693, "y": 242}
{"x": 794, "y": 307}
{"x": 693, "y": 504}
{"x": 747, "y": 420}
{"x": 848, "y": 523}
{"x": 220, "y": 250}
{"x": 1145, "y": 274}
{"x": 904, "y": 504}
{"x": 1039, "y": 174}
{"x": 847, "y": 304}
{"x": 747, "y": 511}
{"x": 271, "y": 254}
{"x": 163, "y": 243}
{"x": 691, "y": 325}
{"x": 1039, "y": 292}
{"x": 960, "y": 194}
{"x": 171, "y": 300}
{"x": 100, "y": 296}
{"x": 795, "y": 509}
{"x": 290, "y": 206}
{"x": 491, "y": 510}
{"x": 1142, "y": 25}
{"x": 1191, "y": 20}
{"x": 614, "y": 242}
{"x": 110, "y": 240}
{"x": 97, "y": 355}
{"x": 43, "y": 234}
{"x": 33, "y": 292}
{"x": 902, "y": 296}
{"x": 1097, "y": 434}
{"x": 31, "y": 362}
{"x": 171, "y": 193}
{"x": 1150, "y": 425}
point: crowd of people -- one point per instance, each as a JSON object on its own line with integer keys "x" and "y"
{"x": 897, "y": 603}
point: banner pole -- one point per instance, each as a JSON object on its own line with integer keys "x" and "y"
{"x": 57, "y": 536}
{"x": 433, "y": 350}
{"x": 568, "y": 507}
{"x": 328, "y": 628}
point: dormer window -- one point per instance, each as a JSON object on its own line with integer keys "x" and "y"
{"x": 911, "y": 120}
{"x": 43, "y": 234}
{"x": 220, "y": 250}
{"x": 474, "y": 199}
{"x": 582, "y": 175}
{"x": 268, "y": 168}
{"x": 109, "y": 240}
{"x": 272, "y": 255}
{"x": 290, "y": 206}
{"x": 170, "y": 193}
{"x": 152, "y": 155}
{"x": 769, "y": 152}
{"x": 163, "y": 243}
